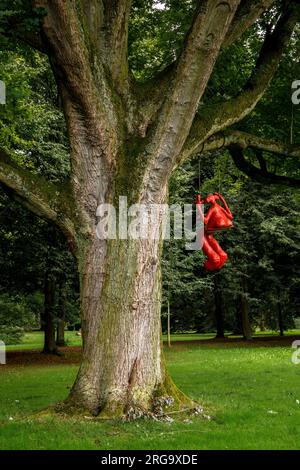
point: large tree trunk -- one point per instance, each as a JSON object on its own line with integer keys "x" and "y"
{"x": 122, "y": 370}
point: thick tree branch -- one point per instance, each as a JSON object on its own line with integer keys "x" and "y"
{"x": 237, "y": 142}
{"x": 258, "y": 174}
{"x": 40, "y": 196}
{"x": 248, "y": 12}
{"x": 83, "y": 78}
{"x": 155, "y": 91}
{"x": 262, "y": 162}
{"x": 106, "y": 29}
{"x": 67, "y": 49}
{"x": 116, "y": 15}
{"x": 194, "y": 68}
{"x": 218, "y": 117}
{"x": 91, "y": 17}
{"x": 201, "y": 49}
{"x": 244, "y": 140}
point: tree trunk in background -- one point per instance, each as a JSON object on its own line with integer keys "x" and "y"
{"x": 280, "y": 319}
{"x": 169, "y": 325}
{"x": 262, "y": 323}
{"x": 244, "y": 310}
{"x": 42, "y": 320}
{"x": 238, "y": 329}
{"x": 60, "y": 329}
{"x": 60, "y": 332}
{"x": 247, "y": 330}
{"x": 219, "y": 307}
{"x": 49, "y": 314}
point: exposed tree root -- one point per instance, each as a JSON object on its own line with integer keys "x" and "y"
{"x": 165, "y": 400}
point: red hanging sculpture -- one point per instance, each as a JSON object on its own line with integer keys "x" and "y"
{"x": 217, "y": 218}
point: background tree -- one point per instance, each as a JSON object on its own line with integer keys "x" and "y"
{"x": 33, "y": 123}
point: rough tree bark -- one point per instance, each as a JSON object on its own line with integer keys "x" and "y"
{"x": 126, "y": 139}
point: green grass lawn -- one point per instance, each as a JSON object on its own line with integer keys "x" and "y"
{"x": 34, "y": 340}
{"x": 252, "y": 395}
